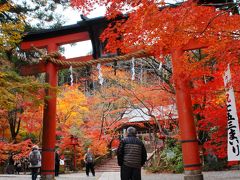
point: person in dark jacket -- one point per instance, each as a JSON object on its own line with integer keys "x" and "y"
{"x": 18, "y": 166}
{"x": 131, "y": 155}
{"x": 57, "y": 163}
{"x": 10, "y": 166}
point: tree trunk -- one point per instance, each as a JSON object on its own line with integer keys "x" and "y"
{"x": 14, "y": 123}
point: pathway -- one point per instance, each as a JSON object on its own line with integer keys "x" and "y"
{"x": 214, "y": 175}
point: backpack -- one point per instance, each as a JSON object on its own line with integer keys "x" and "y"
{"x": 34, "y": 158}
{"x": 19, "y": 165}
{"x": 89, "y": 158}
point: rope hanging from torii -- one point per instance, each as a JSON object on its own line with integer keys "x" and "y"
{"x": 56, "y": 57}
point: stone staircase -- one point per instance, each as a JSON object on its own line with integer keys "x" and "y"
{"x": 109, "y": 165}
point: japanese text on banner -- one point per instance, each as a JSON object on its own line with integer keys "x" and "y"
{"x": 233, "y": 148}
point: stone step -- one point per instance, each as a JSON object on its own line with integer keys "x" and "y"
{"x": 107, "y": 170}
{"x": 109, "y": 166}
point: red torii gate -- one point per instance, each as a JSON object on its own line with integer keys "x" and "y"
{"x": 90, "y": 31}
{"x": 51, "y": 40}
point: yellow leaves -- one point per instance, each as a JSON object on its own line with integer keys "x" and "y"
{"x": 11, "y": 30}
{"x": 4, "y": 7}
{"x": 11, "y": 34}
{"x": 99, "y": 147}
{"x": 220, "y": 100}
{"x": 12, "y": 84}
{"x": 71, "y": 106}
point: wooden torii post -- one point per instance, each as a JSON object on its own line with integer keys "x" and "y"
{"x": 49, "y": 115}
{"x": 190, "y": 149}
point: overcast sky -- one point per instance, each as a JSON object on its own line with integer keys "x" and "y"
{"x": 72, "y": 16}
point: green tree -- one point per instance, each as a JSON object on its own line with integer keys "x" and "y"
{"x": 15, "y": 90}
{"x": 11, "y": 25}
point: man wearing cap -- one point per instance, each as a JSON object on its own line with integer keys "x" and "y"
{"x": 131, "y": 155}
{"x": 35, "y": 161}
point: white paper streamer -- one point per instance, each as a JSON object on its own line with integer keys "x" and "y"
{"x": 71, "y": 75}
{"x": 160, "y": 66}
{"x": 100, "y": 76}
{"x": 133, "y": 68}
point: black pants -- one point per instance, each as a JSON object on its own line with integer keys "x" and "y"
{"x": 129, "y": 173}
{"x": 57, "y": 169}
{"x": 90, "y": 166}
{"x": 34, "y": 173}
{"x": 10, "y": 169}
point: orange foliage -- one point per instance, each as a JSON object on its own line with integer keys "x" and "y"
{"x": 19, "y": 150}
{"x": 160, "y": 30}
{"x": 72, "y": 115}
{"x": 32, "y": 119}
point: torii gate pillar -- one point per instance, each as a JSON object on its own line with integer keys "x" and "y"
{"x": 190, "y": 149}
{"x": 49, "y": 120}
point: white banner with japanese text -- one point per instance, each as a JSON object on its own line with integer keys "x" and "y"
{"x": 233, "y": 147}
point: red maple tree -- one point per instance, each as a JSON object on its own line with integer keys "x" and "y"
{"x": 159, "y": 29}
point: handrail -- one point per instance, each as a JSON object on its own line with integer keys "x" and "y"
{"x": 149, "y": 158}
{"x": 100, "y": 158}
{"x": 109, "y": 154}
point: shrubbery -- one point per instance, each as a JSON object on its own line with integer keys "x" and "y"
{"x": 212, "y": 163}
{"x": 169, "y": 159}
